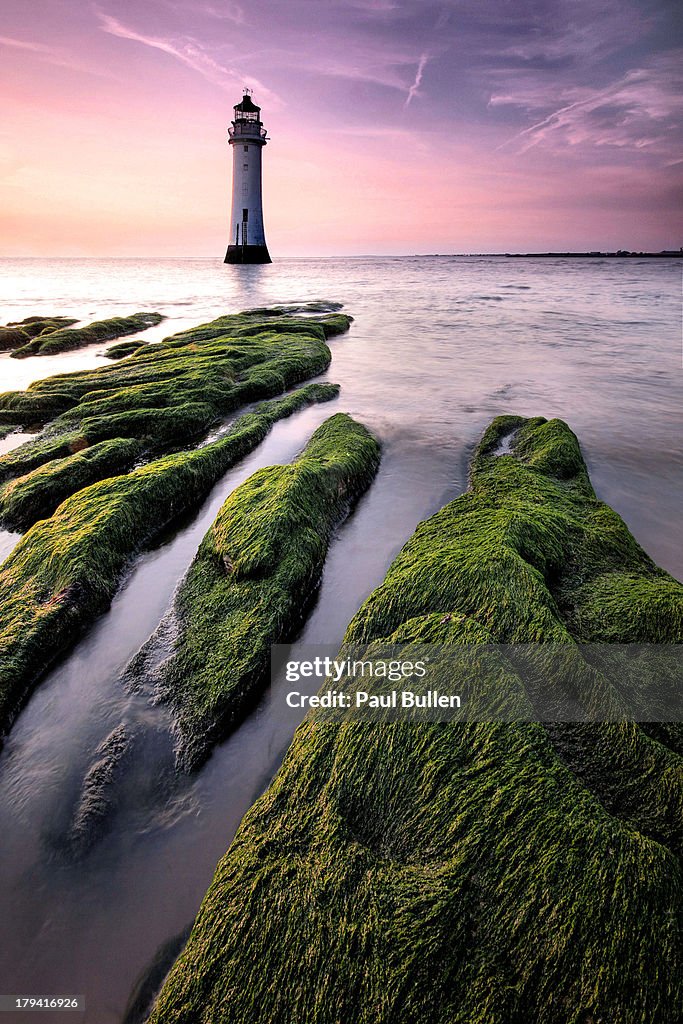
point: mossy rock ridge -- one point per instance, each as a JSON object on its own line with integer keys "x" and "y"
{"x": 66, "y": 339}
{"x": 254, "y": 578}
{"x": 168, "y": 394}
{"x": 124, "y": 348}
{"x": 37, "y": 494}
{"x": 66, "y": 568}
{"x": 19, "y": 333}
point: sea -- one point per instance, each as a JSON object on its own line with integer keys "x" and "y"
{"x": 439, "y": 345}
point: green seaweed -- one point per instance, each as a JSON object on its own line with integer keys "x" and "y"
{"x": 34, "y": 325}
{"x": 66, "y": 569}
{"x": 65, "y": 339}
{"x": 166, "y": 395}
{"x": 36, "y": 495}
{"x": 124, "y": 348}
{"x": 467, "y": 873}
{"x": 39, "y": 451}
{"x": 33, "y": 407}
{"x": 12, "y": 337}
{"x": 20, "y": 332}
{"x": 253, "y": 578}
{"x": 216, "y": 360}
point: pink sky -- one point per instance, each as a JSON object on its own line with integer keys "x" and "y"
{"x": 396, "y": 127}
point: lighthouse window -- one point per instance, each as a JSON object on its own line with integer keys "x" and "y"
{"x": 246, "y": 149}
{"x": 245, "y": 166}
{"x": 245, "y": 214}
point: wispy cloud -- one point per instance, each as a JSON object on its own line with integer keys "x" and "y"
{"x": 22, "y": 44}
{"x": 189, "y": 52}
{"x": 58, "y": 57}
{"x": 384, "y": 73}
{"x": 638, "y": 111}
{"x": 357, "y": 61}
{"x": 376, "y": 6}
{"x": 413, "y": 91}
{"x": 225, "y": 10}
{"x": 577, "y": 32}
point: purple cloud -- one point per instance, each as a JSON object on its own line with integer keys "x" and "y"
{"x": 639, "y": 110}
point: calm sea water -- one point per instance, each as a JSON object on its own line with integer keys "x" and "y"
{"x": 438, "y": 347}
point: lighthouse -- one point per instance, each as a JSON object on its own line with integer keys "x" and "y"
{"x": 247, "y": 137}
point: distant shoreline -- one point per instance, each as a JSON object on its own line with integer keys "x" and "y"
{"x": 665, "y": 254}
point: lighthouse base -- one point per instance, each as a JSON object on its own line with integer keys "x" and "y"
{"x": 247, "y": 254}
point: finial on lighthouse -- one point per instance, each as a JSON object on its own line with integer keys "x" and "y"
{"x": 247, "y": 137}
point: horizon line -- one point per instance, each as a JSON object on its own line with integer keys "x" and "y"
{"x": 369, "y": 255}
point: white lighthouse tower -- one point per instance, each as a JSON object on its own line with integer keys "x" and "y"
{"x": 247, "y": 136}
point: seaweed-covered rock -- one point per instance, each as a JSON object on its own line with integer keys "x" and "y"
{"x": 66, "y": 569}
{"x": 124, "y": 348}
{"x": 65, "y": 339}
{"x": 481, "y": 872}
{"x": 165, "y": 395}
{"x": 36, "y": 495}
{"x": 253, "y": 579}
{"x": 40, "y": 450}
{"x": 20, "y": 332}
{"x": 25, "y": 408}
{"x": 12, "y": 337}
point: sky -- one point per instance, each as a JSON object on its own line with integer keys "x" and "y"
{"x": 396, "y": 126}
